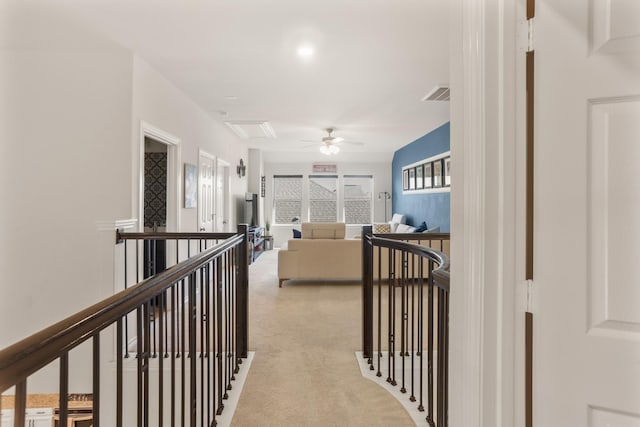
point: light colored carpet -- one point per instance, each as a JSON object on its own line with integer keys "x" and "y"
{"x": 304, "y": 374}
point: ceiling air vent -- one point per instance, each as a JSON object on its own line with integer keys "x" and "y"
{"x": 252, "y": 129}
{"x": 438, "y": 93}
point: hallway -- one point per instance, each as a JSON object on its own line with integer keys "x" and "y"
{"x": 304, "y": 372}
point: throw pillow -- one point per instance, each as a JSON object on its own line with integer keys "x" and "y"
{"x": 382, "y": 228}
{"x": 297, "y": 234}
{"x": 404, "y": 228}
{"x": 422, "y": 227}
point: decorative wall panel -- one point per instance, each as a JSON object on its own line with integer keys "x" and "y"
{"x": 614, "y": 216}
{"x": 614, "y": 26}
{"x": 601, "y": 417}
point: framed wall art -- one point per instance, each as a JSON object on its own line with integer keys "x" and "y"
{"x": 190, "y": 186}
{"x": 430, "y": 175}
{"x": 419, "y": 177}
{"x": 437, "y": 173}
{"x": 447, "y": 172}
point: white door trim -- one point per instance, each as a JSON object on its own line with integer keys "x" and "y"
{"x": 226, "y": 195}
{"x": 202, "y": 153}
{"x": 174, "y": 174}
{"x": 483, "y": 215}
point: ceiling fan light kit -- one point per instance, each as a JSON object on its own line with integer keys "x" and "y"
{"x": 329, "y": 149}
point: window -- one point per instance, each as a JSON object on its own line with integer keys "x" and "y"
{"x": 323, "y": 198}
{"x": 358, "y": 199}
{"x": 287, "y": 199}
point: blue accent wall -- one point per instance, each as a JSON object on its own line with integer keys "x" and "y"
{"x": 433, "y": 208}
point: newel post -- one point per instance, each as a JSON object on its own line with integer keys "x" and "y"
{"x": 367, "y": 292}
{"x": 242, "y": 293}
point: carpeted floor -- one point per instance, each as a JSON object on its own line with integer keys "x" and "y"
{"x": 304, "y": 374}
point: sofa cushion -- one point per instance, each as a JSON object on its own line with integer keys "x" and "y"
{"x": 323, "y": 230}
{"x": 297, "y": 234}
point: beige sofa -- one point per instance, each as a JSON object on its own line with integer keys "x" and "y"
{"x": 321, "y": 253}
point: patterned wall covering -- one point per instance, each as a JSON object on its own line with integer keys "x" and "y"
{"x": 155, "y": 189}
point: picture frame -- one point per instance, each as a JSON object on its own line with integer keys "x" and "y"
{"x": 447, "y": 172}
{"x": 428, "y": 175}
{"x": 412, "y": 179}
{"x": 419, "y": 177}
{"x": 190, "y": 186}
{"x": 437, "y": 173}
{"x": 405, "y": 179}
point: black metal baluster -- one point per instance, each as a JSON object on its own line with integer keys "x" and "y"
{"x": 192, "y": 349}
{"x": 119, "y": 382}
{"x": 403, "y": 315}
{"x": 174, "y": 350}
{"x": 393, "y": 324}
{"x": 202, "y": 339}
{"x": 219, "y": 328}
{"x": 146, "y": 353}
{"x": 390, "y": 315}
{"x": 412, "y": 398}
{"x": 379, "y": 373}
{"x": 96, "y": 380}
{"x": 227, "y": 328}
{"x": 63, "y": 396}
{"x": 421, "y": 337}
{"x": 183, "y": 353}
{"x": 20, "y": 404}
{"x": 126, "y": 322}
{"x": 139, "y": 362}
{"x": 208, "y": 338}
{"x": 160, "y": 315}
{"x": 430, "y": 346}
{"x": 153, "y": 305}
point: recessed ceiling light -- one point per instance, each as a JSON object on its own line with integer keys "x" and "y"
{"x": 231, "y": 98}
{"x": 305, "y": 51}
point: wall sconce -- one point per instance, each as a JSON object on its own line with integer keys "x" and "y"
{"x": 386, "y": 196}
{"x": 241, "y": 169}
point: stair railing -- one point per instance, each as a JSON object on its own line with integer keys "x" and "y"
{"x": 196, "y": 314}
{"x": 405, "y": 296}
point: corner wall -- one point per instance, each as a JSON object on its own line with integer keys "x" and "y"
{"x": 433, "y": 208}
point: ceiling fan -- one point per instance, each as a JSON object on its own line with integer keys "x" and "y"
{"x": 331, "y": 144}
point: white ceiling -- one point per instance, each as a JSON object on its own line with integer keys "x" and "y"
{"x": 374, "y": 61}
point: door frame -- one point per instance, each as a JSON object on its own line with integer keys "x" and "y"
{"x": 174, "y": 174}
{"x": 486, "y": 362}
{"x": 220, "y": 163}
{"x": 202, "y": 153}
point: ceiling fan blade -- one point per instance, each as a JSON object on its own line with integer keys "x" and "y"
{"x": 353, "y": 143}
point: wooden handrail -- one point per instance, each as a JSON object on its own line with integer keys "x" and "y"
{"x": 441, "y": 273}
{"x": 121, "y": 236}
{"x": 27, "y": 356}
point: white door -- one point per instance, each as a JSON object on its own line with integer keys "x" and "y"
{"x": 205, "y": 192}
{"x": 587, "y": 213}
{"x": 222, "y": 196}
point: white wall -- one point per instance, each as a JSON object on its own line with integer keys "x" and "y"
{"x": 70, "y": 115}
{"x": 65, "y": 164}
{"x": 158, "y": 102}
{"x": 381, "y": 182}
